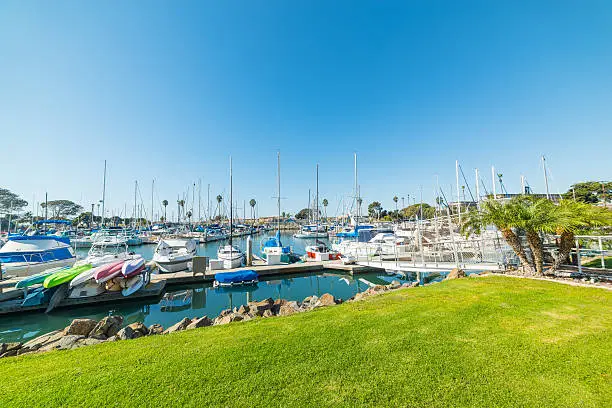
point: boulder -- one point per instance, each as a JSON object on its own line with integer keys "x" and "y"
{"x": 327, "y": 300}
{"x": 127, "y": 333}
{"x": 456, "y": 274}
{"x": 414, "y": 284}
{"x": 378, "y": 288}
{"x": 178, "y": 326}
{"x": 234, "y": 317}
{"x": 406, "y": 285}
{"x": 140, "y": 330}
{"x": 199, "y": 322}
{"x": 43, "y": 340}
{"x": 64, "y": 343}
{"x": 267, "y": 313}
{"x": 8, "y": 347}
{"x": 88, "y": 341}
{"x": 244, "y": 309}
{"x": 258, "y": 308}
{"x": 107, "y": 327}
{"x": 395, "y": 284}
{"x": 10, "y": 353}
{"x": 288, "y": 308}
{"x": 226, "y": 312}
{"x": 80, "y": 327}
{"x": 310, "y": 302}
{"x": 361, "y": 295}
{"x": 155, "y": 329}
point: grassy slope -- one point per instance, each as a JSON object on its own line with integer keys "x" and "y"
{"x": 473, "y": 342}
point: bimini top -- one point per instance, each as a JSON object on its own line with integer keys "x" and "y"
{"x": 65, "y": 240}
{"x": 246, "y": 275}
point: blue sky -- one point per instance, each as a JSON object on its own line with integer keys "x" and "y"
{"x": 169, "y": 90}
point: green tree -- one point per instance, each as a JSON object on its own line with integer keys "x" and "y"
{"x": 165, "y": 204}
{"x": 570, "y": 216}
{"x": 374, "y": 209}
{"x": 415, "y": 210}
{"x": 325, "y": 204}
{"x": 10, "y": 201}
{"x": 590, "y": 191}
{"x": 61, "y": 208}
{"x": 304, "y": 214}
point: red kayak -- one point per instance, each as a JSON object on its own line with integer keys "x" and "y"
{"x": 109, "y": 271}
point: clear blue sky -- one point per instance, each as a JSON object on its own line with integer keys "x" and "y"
{"x": 168, "y": 90}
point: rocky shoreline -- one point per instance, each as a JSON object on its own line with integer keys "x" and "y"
{"x": 85, "y": 332}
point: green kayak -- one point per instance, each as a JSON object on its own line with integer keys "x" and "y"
{"x": 64, "y": 276}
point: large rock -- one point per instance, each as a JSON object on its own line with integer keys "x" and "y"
{"x": 310, "y": 302}
{"x": 9, "y": 347}
{"x": 456, "y": 274}
{"x": 140, "y": 330}
{"x": 199, "y": 322}
{"x": 127, "y": 333}
{"x": 10, "y": 353}
{"x": 244, "y": 309}
{"x": 80, "y": 327}
{"x": 414, "y": 284}
{"x": 66, "y": 342}
{"x": 327, "y": 300}
{"x": 258, "y": 308}
{"x": 88, "y": 341}
{"x": 182, "y": 325}
{"x": 395, "y": 284}
{"x": 155, "y": 329}
{"x": 288, "y": 308}
{"x": 267, "y": 313}
{"x": 40, "y": 341}
{"x": 234, "y": 317}
{"x": 107, "y": 327}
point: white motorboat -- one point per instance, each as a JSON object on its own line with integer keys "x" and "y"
{"x": 107, "y": 248}
{"x": 25, "y": 255}
{"x": 173, "y": 255}
{"x": 232, "y": 254}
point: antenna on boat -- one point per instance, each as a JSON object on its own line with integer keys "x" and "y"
{"x": 279, "y": 190}
{"x": 545, "y": 176}
{"x": 103, "y": 193}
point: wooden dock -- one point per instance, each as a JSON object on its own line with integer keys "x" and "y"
{"x": 160, "y": 281}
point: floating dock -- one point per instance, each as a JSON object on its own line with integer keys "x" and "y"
{"x": 160, "y": 281}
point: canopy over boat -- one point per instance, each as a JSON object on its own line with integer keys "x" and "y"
{"x": 247, "y": 275}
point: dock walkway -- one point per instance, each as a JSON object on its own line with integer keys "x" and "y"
{"x": 160, "y": 281}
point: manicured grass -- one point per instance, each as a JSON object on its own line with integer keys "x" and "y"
{"x": 596, "y": 263}
{"x": 482, "y": 342}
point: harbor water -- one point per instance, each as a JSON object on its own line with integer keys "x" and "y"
{"x": 197, "y": 300}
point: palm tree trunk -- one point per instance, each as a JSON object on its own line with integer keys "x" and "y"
{"x": 566, "y": 243}
{"x": 515, "y": 243}
{"x": 537, "y": 249}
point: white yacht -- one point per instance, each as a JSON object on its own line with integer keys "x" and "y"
{"x": 25, "y": 255}
{"x": 173, "y": 255}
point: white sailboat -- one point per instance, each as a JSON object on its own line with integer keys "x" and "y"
{"x": 231, "y": 255}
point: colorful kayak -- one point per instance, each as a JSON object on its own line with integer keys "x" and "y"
{"x": 64, "y": 276}
{"x": 133, "y": 285}
{"x": 132, "y": 267}
{"x": 91, "y": 273}
{"x": 38, "y": 296}
{"x": 88, "y": 289}
{"x": 109, "y": 273}
{"x": 39, "y": 278}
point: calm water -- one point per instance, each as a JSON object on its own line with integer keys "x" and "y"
{"x": 195, "y": 300}
{"x": 192, "y": 301}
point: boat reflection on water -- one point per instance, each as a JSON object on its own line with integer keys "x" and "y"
{"x": 198, "y": 300}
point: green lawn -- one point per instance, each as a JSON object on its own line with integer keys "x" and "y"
{"x": 596, "y": 263}
{"x": 483, "y": 342}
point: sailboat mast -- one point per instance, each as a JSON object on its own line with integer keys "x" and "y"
{"x": 103, "y": 192}
{"x": 545, "y": 176}
{"x": 231, "y": 205}
{"x": 309, "y": 208}
{"x": 135, "y": 208}
{"x": 317, "y": 199}
{"x": 356, "y": 192}
{"x": 278, "y": 199}
{"x": 152, "y": 190}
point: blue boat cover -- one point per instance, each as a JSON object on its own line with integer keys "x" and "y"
{"x": 65, "y": 222}
{"x": 65, "y": 240}
{"x": 246, "y": 275}
{"x": 36, "y": 256}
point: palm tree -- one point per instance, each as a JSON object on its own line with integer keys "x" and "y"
{"x": 219, "y": 199}
{"x": 571, "y": 215}
{"x": 504, "y": 216}
{"x": 395, "y": 199}
{"x": 252, "y": 203}
{"x": 181, "y": 204}
{"x": 165, "y": 204}
{"x": 189, "y": 214}
{"x": 359, "y": 201}
{"x": 325, "y": 204}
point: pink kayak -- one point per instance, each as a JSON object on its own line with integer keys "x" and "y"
{"x": 132, "y": 267}
{"x": 108, "y": 271}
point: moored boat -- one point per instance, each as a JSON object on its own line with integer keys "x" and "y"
{"x": 173, "y": 255}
